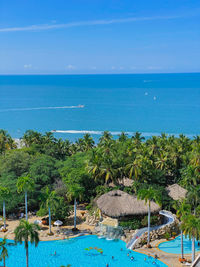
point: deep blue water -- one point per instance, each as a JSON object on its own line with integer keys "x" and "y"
{"x": 73, "y": 251}
{"x": 149, "y": 103}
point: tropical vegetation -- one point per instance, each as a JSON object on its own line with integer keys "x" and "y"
{"x": 63, "y": 173}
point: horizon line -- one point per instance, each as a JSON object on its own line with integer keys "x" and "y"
{"x": 77, "y": 74}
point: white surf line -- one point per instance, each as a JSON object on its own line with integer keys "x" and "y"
{"x": 40, "y": 108}
{"x": 116, "y": 133}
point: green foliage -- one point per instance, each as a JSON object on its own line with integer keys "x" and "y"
{"x": 154, "y": 220}
{"x": 167, "y": 235}
{"x": 42, "y": 212}
{"x": 102, "y": 189}
{"x": 44, "y": 170}
{"x": 76, "y": 177}
{"x": 86, "y": 170}
{"x": 131, "y": 224}
{"x": 62, "y": 211}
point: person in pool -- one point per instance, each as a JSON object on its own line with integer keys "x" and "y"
{"x": 132, "y": 258}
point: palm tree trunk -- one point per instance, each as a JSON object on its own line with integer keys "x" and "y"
{"x": 49, "y": 220}
{"x": 27, "y": 256}
{"x": 149, "y": 215}
{"x": 26, "y": 206}
{"x": 182, "y": 253}
{"x": 4, "y": 262}
{"x": 74, "y": 213}
{"x": 193, "y": 249}
{"x": 4, "y": 214}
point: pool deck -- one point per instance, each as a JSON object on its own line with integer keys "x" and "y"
{"x": 43, "y": 234}
{"x": 171, "y": 260}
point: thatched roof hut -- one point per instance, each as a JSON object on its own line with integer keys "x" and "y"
{"x": 117, "y": 203}
{"x": 176, "y": 192}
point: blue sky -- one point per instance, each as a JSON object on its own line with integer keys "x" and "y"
{"x": 99, "y": 36}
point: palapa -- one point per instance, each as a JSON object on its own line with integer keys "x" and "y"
{"x": 117, "y": 203}
{"x": 176, "y": 192}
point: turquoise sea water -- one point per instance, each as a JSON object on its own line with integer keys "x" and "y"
{"x": 73, "y": 252}
{"x": 174, "y": 246}
{"x": 149, "y": 103}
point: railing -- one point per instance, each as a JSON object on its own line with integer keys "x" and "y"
{"x": 169, "y": 220}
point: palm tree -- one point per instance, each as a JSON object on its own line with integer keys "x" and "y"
{"x": 191, "y": 228}
{"x": 137, "y": 139}
{"x": 4, "y": 193}
{"x": 4, "y": 251}
{"x": 88, "y": 142}
{"x": 6, "y": 142}
{"x": 26, "y": 231}
{"x": 135, "y": 167}
{"x": 75, "y": 191}
{"x": 148, "y": 195}
{"x": 182, "y": 209}
{"x": 193, "y": 197}
{"x": 25, "y": 184}
{"x": 49, "y": 201}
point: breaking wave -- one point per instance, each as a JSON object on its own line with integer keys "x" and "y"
{"x": 145, "y": 134}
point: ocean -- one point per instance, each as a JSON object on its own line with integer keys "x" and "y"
{"x": 76, "y": 104}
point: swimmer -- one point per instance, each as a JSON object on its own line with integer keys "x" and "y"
{"x": 55, "y": 253}
{"x": 128, "y": 254}
{"x": 145, "y": 259}
{"x": 198, "y": 244}
{"x": 154, "y": 262}
{"x": 149, "y": 256}
{"x": 132, "y": 258}
{"x": 107, "y": 265}
{"x": 156, "y": 256}
{"x": 121, "y": 249}
{"x": 112, "y": 257}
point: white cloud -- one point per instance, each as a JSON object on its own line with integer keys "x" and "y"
{"x": 28, "y": 66}
{"x": 121, "y": 68}
{"x": 70, "y": 67}
{"x": 113, "y": 68}
{"x": 85, "y": 23}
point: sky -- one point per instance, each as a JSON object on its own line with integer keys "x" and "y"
{"x": 99, "y": 36}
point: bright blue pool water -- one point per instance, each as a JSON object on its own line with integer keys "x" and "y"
{"x": 73, "y": 252}
{"x": 174, "y": 246}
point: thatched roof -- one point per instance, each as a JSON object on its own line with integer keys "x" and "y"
{"x": 123, "y": 182}
{"x": 176, "y": 192}
{"x": 117, "y": 203}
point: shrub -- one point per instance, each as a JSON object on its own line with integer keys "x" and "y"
{"x": 42, "y": 212}
{"x": 167, "y": 235}
{"x": 133, "y": 224}
{"x": 154, "y": 220}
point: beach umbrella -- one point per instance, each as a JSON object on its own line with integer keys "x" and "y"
{"x": 37, "y": 222}
{"x": 58, "y": 223}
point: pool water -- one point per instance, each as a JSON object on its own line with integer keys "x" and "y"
{"x": 72, "y": 251}
{"x": 174, "y": 246}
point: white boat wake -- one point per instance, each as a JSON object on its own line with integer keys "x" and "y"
{"x": 40, "y": 108}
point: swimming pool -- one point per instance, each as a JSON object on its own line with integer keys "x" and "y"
{"x": 174, "y": 246}
{"x": 72, "y": 251}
